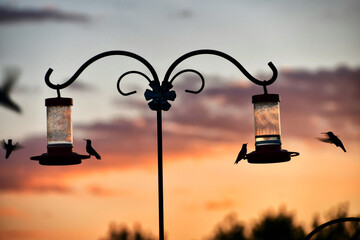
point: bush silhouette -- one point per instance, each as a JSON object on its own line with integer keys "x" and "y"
{"x": 123, "y": 233}
{"x": 279, "y": 226}
{"x": 271, "y": 226}
{"x": 340, "y": 231}
{"x": 229, "y": 229}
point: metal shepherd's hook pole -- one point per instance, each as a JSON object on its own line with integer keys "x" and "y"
{"x": 160, "y": 175}
{"x": 159, "y": 95}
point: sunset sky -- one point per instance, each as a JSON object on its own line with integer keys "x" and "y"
{"x": 314, "y": 45}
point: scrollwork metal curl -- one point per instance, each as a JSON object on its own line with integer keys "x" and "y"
{"x": 263, "y": 83}
{"x": 95, "y": 58}
{"x": 127, "y": 73}
{"x": 193, "y": 71}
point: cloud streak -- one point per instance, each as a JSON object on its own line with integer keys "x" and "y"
{"x": 10, "y": 212}
{"x": 219, "y": 205}
{"x": 21, "y": 234}
{"x": 9, "y": 14}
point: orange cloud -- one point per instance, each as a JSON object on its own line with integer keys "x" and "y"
{"x": 219, "y": 205}
{"x": 20, "y": 234}
{"x": 100, "y": 191}
{"x": 11, "y": 212}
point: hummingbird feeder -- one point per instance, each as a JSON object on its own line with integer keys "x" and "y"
{"x": 266, "y": 113}
{"x": 268, "y": 131}
{"x": 59, "y": 134}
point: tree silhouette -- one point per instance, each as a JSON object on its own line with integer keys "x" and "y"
{"x": 123, "y": 233}
{"x": 229, "y": 229}
{"x": 279, "y": 226}
{"x": 339, "y": 231}
{"x": 271, "y": 226}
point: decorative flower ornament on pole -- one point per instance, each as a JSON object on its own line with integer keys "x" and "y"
{"x": 160, "y": 95}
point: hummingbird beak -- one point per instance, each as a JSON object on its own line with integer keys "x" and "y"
{"x": 323, "y": 133}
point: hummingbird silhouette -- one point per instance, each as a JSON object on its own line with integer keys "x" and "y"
{"x": 242, "y": 153}
{"x": 90, "y": 150}
{"x": 332, "y": 138}
{"x": 5, "y": 100}
{"x": 9, "y": 147}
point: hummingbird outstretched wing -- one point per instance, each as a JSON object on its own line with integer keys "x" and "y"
{"x": 5, "y": 100}
{"x": 10, "y": 80}
{"x": 327, "y": 140}
{"x": 17, "y": 146}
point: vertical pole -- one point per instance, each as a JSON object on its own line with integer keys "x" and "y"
{"x": 160, "y": 175}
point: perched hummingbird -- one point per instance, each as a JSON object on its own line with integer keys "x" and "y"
{"x": 5, "y": 99}
{"x": 90, "y": 150}
{"x": 242, "y": 153}
{"x": 332, "y": 139}
{"x": 9, "y": 147}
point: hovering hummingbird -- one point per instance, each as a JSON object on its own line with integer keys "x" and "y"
{"x": 5, "y": 100}
{"x": 9, "y": 147}
{"x": 90, "y": 150}
{"x": 332, "y": 138}
{"x": 242, "y": 153}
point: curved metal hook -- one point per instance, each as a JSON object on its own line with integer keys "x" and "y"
{"x": 95, "y": 58}
{"x": 335, "y": 221}
{"x": 194, "y": 71}
{"x": 122, "y": 76}
{"x": 228, "y": 57}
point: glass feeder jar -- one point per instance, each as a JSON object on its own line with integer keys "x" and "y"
{"x": 59, "y": 134}
{"x": 267, "y": 131}
{"x": 59, "y": 122}
{"x": 267, "y": 121}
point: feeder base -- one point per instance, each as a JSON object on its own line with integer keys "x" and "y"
{"x": 270, "y": 156}
{"x": 59, "y": 159}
